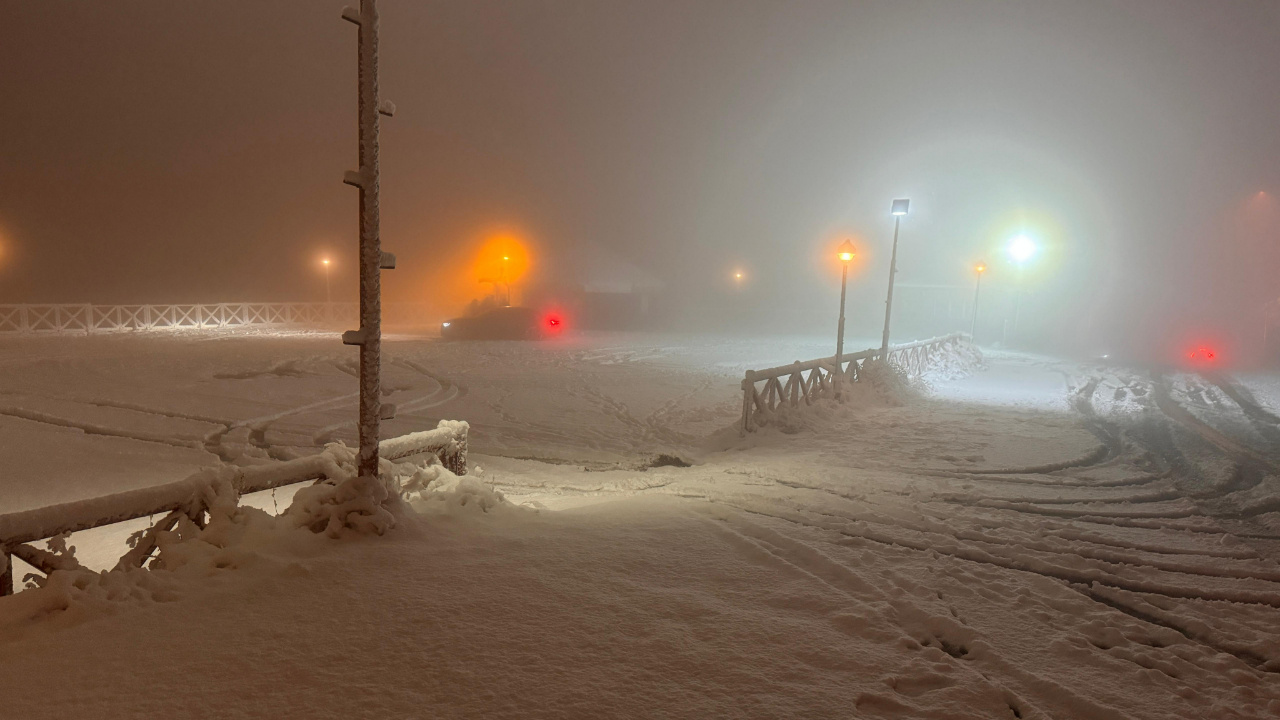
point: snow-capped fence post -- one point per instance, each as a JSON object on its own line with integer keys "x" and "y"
{"x": 372, "y": 259}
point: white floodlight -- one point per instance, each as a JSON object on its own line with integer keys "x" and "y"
{"x": 1021, "y": 249}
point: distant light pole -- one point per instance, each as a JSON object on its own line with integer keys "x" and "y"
{"x": 980, "y": 268}
{"x": 845, "y": 252}
{"x": 898, "y": 209}
{"x": 1021, "y": 249}
{"x": 506, "y": 279}
{"x": 328, "y": 299}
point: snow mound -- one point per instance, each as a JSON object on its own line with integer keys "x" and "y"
{"x": 433, "y": 490}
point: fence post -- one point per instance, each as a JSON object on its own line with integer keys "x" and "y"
{"x": 748, "y": 389}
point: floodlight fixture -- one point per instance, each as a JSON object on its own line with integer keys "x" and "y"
{"x": 1021, "y": 249}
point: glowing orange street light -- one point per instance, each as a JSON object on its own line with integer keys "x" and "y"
{"x": 845, "y": 252}
{"x": 327, "y": 298}
{"x": 979, "y": 269}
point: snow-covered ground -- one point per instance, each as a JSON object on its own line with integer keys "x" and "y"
{"x": 1037, "y": 538}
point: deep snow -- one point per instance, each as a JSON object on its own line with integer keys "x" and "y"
{"x": 1039, "y": 538}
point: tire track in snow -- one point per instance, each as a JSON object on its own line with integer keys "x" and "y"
{"x": 953, "y": 635}
{"x": 94, "y": 429}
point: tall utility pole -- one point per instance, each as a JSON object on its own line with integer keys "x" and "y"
{"x": 845, "y": 253}
{"x": 372, "y": 259}
{"x": 980, "y": 268}
{"x": 899, "y": 209}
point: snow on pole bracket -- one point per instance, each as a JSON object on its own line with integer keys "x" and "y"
{"x": 388, "y": 261}
{"x": 386, "y": 107}
{"x": 354, "y": 337}
{"x": 351, "y": 15}
{"x": 353, "y": 178}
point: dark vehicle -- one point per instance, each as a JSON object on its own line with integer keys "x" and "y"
{"x": 504, "y": 323}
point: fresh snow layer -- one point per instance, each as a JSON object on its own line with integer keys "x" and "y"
{"x": 1034, "y": 539}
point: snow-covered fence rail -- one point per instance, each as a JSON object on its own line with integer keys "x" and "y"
{"x": 808, "y": 381}
{"x": 89, "y": 319}
{"x": 448, "y": 442}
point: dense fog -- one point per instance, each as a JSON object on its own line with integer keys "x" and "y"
{"x": 154, "y": 152}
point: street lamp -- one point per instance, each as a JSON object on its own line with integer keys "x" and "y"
{"x": 1020, "y": 249}
{"x": 328, "y": 299}
{"x": 980, "y": 268}
{"x": 506, "y": 279}
{"x": 845, "y": 252}
{"x": 898, "y": 209}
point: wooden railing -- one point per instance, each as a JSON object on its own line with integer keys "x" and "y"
{"x": 808, "y": 381}
{"x": 88, "y": 319}
{"x": 448, "y": 442}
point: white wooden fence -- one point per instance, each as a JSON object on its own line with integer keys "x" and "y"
{"x": 89, "y": 319}
{"x": 448, "y": 442}
{"x": 808, "y": 381}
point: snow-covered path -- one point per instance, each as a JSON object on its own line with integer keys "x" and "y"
{"x": 1038, "y": 539}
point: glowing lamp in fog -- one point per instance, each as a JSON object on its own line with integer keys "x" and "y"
{"x": 1021, "y": 249}
{"x": 845, "y": 252}
{"x": 899, "y": 206}
{"x": 980, "y": 268}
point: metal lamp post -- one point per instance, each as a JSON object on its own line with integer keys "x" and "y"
{"x": 898, "y": 209}
{"x": 980, "y": 268}
{"x": 845, "y": 253}
{"x": 1021, "y": 249}
{"x": 506, "y": 278}
{"x": 328, "y": 298}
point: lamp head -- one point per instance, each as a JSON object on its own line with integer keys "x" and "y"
{"x": 1021, "y": 249}
{"x": 900, "y": 206}
{"x": 846, "y": 251}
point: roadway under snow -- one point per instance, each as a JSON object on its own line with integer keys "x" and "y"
{"x": 1038, "y": 538}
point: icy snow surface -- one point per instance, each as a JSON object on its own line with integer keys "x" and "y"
{"x": 1036, "y": 539}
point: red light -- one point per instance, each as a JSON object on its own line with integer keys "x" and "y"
{"x": 553, "y": 322}
{"x": 1202, "y": 354}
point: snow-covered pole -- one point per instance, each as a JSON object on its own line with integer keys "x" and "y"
{"x": 898, "y": 209}
{"x": 372, "y": 259}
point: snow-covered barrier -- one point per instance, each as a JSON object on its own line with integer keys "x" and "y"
{"x": 808, "y": 381}
{"x": 191, "y": 496}
{"x": 61, "y": 319}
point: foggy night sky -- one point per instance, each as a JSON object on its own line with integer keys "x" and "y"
{"x": 162, "y": 152}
